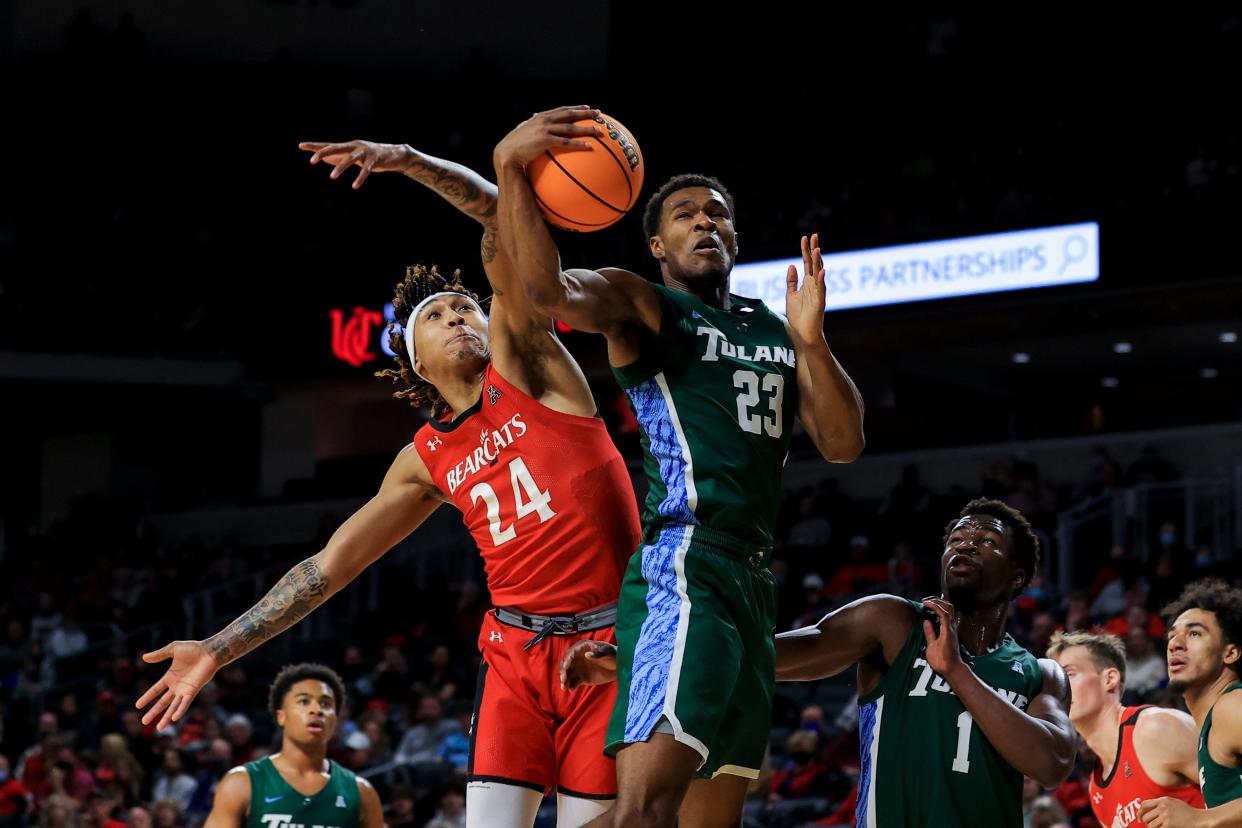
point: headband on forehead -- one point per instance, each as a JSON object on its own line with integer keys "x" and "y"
{"x": 412, "y": 320}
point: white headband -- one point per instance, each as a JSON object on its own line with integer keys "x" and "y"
{"x": 412, "y": 320}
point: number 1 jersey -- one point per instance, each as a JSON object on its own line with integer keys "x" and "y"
{"x": 545, "y": 494}
{"x": 924, "y": 761}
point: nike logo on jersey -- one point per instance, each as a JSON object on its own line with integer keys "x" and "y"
{"x": 270, "y": 799}
{"x": 718, "y": 345}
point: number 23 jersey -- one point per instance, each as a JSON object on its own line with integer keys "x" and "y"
{"x": 545, "y": 495}
{"x": 924, "y": 760}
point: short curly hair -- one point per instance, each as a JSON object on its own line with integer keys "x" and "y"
{"x": 1217, "y": 597}
{"x": 294, "y": 673}
{"x": 651, "y": 213}
{"x": 1025, "y": 541}
{"x": 419, "y": 283}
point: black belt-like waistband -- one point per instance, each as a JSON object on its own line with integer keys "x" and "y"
{"x": 546, "y": 625}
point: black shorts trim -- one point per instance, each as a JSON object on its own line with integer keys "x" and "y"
{"x": 534, "y": 786}
{"x": 580, "y": 795}
{"x": 474, "y": 720}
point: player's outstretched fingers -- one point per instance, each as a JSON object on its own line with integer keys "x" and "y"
{"x": 349, "y": 160}
{"x": 153, "y": 693}
{"x": 159, "y": 707}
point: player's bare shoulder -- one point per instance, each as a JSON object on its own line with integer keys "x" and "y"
{"x": 409, "y": 468}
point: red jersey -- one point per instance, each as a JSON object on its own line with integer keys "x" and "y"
{"x": 1116, "y": 800}
{"x": 545, "y": 494}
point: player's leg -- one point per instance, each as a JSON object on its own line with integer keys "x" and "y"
{"x": 586, "y": 779}
{"x": 714, "y": 803}
{"x": 652, "y": 778}
{"x": 678, "y": 658}
{"x": 498, "y": 805}
{"x": 512, "y": 755}
{"x": 741, "y": 742}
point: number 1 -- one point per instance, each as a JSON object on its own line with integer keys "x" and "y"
{"x": 961, "y": 762}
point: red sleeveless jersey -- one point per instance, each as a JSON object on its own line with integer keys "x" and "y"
{"x": 1116, "y": 800}
{"x": 545, "y": 494}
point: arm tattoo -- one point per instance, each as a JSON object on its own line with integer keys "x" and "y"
{"x": 301, "y": 590}
{"x": 462, "y": 187}
{"x": 488, "y": 248}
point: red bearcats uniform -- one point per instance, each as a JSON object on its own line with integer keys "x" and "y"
{"x": 1116, "y": 800}
{"x": 549, "y": 502}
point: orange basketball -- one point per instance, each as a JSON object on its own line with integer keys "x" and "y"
{"x": 589, "y": 190}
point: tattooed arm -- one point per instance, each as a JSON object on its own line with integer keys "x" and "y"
{"x": 404, "y": 501}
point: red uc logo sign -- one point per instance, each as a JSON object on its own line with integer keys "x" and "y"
{"x": 352, "y": 337}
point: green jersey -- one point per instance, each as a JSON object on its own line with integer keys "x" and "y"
{"x": 715, "y": 398}
{"x": 1220, "y": 784}
{"x": 275, "y": 804}
{"x": 924, "y": 763}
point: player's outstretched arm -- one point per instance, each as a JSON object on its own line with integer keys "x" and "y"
{"x": 829, "y": 405}
{"x": 228, "y": 809}
{"x": 607, "y": 301}
{"x": 459, "y": 185}
{"x": 404, "y": 501}
{"x": 874, "y": 626}
{"x": 1039, "y": 742}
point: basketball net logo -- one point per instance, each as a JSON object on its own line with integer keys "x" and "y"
{"x": 351, "y": 338}
{"x": 496, "y": 636}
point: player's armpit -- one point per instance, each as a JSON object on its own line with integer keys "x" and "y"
{"x": 879, "y": 623}
{"x": 228, "y": 809}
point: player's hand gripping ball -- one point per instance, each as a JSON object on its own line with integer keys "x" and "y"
{"x": 587, "y": 190}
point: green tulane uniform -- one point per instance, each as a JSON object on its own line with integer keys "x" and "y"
{"x": 1218, "y": 783}
{"x": 924, "y": 763}
{"x": 715, "y": 395}
{"x": 275, "y": 804}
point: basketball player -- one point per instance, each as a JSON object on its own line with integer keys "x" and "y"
{"x": 1142, "y": 752}
{"x": 299, "y": 786}
{"x": 715, "y": 381}
{"x": 514, "y": 444}
{"x": 953, "y": 711}
{"x": 1205, "y": 649}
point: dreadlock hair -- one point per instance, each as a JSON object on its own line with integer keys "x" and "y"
{"x": 651, "y": 213}
{"x": 1025, "y": 541}
{"x": 419, "y": 283}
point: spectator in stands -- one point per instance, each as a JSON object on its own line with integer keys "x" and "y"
{"x": 165, "y": 814}
{"x": 381, "y": 746}
{"x": 814, "y": 603}
{"x": 46, "y": 618}
{"x": 213, "y": 763}
{"x": 100, "y": 810}
{"x": 440, "y": 674}
{"x": 905, "y": 576}
{"x": 240, "y": 735}
{"x": 858, "y": 574}
{"x": 1146, "y": 667}
{"x": 390, "y": 679}
{"x": 59, "y": 811}
{"x": 172, "y": 782}
{"x": 452, "y": 812}
{"x": 455, "y": 747}
{"x": 16, "y": 801}
{"x": 1135, "y": 616}
{"x": 1077, "y": 612}
{"x": 802, "y": 775}
{"x": 139, "y": 817}
{"x": 909, "y": 497}
{"x": 810, "y": 533}
{"x": 401, "y": 808}
{"x": 67, "y": 640}
{"x": 357, "y": 753}
{"x": 421, "y": 742}
{"x": 118, "y": 772}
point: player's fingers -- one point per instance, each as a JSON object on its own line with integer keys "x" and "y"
{"x": 572, "y": 113}
{"x": 928, "y": 632}
{"x": 346, "y": 163}
{"x": 806, "y": 256}
{"x": 935, "y": 607}
{"x": 366, "y": 170}
{"x": 326, "y": 151}
{"x": 791, "y": 278}
{"x": 151, "y": 695}
{"x": 159, "y": 707}
{"x": 570, "y": 143}
{"x": 166, "y": 719}
{"x": 182, "y": 705}
{"x": 156, "y": 656}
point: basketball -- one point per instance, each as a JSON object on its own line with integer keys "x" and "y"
{"x": 589, "y": 190}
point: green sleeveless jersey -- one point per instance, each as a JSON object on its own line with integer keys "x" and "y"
{"x": 1218, "y": 783}
{"x": 715, "y": 396}
{"x": 924, "y": 762}
{"x": 275, "y": 804}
